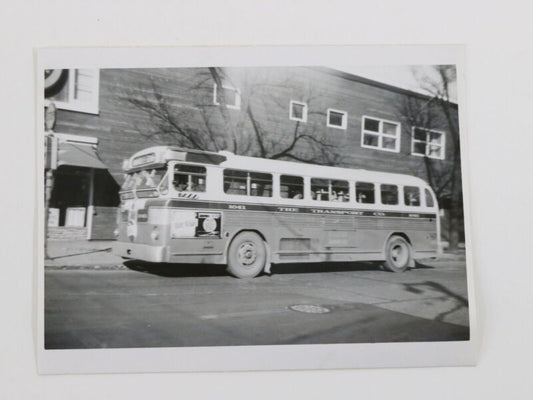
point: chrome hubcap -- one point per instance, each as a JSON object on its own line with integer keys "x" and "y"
{"x": 247, "y": 253}
{"x": 399, "y": 254}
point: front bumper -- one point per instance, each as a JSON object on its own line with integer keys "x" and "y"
{"x": 141, "y": 251}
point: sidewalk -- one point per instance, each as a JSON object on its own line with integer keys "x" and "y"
{"x": 97, "y": 254}
{"x": 82, "y": 253}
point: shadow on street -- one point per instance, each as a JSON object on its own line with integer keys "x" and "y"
{"x": 203, "y": 270}
{"x": 176, "y": 270}
{"x": 420, "y": 288}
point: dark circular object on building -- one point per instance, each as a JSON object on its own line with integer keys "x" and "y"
{"x": 54, "y": 80}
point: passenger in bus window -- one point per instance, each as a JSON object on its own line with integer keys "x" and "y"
{"x": 180, "y": 183}
{"x": 411, "y": 196}
{"x": 297, "y": 195}
{"x": 412, "y": 200}
{"x": 342, "y": 197}
{"x": 364, "y": 192}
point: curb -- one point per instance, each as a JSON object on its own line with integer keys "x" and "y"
{"x": 100, "y": 267}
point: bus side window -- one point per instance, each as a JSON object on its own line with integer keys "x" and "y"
{"x": 320, "y": 189}
{"x": 235, "y": 182}
{"x": 429, "y": 198}
{"x": 247, "y": 183}
{"x": 189, "y": 178}
{"x": 389, "y": 194}
{"x": 364, "y": 192}
{"x": 291, "y": 187}
{"x": 260, "y": 184}
{"x": 411, "y": 196}
{"x": 340, "y": 191}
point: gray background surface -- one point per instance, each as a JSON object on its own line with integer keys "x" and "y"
{"x": 499, "y": 61}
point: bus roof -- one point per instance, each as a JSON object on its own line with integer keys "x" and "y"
{"x": 317, "y": 171}
{"x": 227, "y": 159}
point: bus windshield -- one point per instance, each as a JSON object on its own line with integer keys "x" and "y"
{"x": 144, "y": 179}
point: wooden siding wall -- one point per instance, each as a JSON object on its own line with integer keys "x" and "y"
{"x": 122, "y": 128}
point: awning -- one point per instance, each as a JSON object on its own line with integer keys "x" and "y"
{"x": 79, "y": 155}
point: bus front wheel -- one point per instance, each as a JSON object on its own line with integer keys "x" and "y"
{"x": 398, "y": 255}
{"x": 246, "y": 255}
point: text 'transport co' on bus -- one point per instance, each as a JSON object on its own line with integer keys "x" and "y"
{"x": 190, "y": 206}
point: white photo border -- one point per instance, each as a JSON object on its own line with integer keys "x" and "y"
{"x": 249, "y": 358}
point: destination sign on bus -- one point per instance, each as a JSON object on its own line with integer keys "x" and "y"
{"x": 144, "y": 159}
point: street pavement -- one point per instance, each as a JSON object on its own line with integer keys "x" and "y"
{"x": 94, "y": 300}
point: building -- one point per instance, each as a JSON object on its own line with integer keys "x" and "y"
{"x": 311, "y": 114}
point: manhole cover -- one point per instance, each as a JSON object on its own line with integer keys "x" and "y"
{"x": 309, "y": 308}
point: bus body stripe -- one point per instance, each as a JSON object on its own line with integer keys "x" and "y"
{"x": 285, "y": 209}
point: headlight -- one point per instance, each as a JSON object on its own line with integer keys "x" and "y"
{"x": 155, "y": 234}
{"x": 126, "y": 196}
{"x": 147, "y": 193}
{"x": 116, "y": 232}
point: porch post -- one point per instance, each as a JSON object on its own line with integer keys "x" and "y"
{"x": 90, "y": 202}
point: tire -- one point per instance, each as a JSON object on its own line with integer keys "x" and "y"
{"x": 398, "y": 254}
{"x": 246, "y": 255}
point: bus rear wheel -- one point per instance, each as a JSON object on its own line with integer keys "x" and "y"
{"x": 398, "y": 255}
{"x": 246, "y": 255}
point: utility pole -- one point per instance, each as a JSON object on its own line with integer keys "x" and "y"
{"x": 50, "y": 164}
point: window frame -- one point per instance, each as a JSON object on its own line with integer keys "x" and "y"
{"x": 374, "y": 190}
{"x": 398, "y": 194}
{"x": 304, "y": 111}
{"x": 281, "y": 176}
{"x": 431, "y": 196}
{"x": 405, "y": 194}
{"x": 344, "y": 124}
{"x": 330, "y": 190}
{"x": 189, "y": 175}
{"x": 428, "y": 132}
{"x": 72, "y": 104}
{"x": 237, "y": 105}
{"x": 248, "y": 177}
{"x": 380, "y": 134}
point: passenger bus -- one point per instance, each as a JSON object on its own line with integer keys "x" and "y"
{"x": 189, "y": 206}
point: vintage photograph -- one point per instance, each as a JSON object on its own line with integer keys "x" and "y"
{"x": 214, "y": 206}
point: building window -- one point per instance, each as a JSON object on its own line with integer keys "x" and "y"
{"x": 428, "y": 143}
{"x": 337, "y": 119}
{"x": 381, "y": 134}
{"x": 298, "y": 111}
{"x": 227, "y": 95}
{"x": 73, "y": 89}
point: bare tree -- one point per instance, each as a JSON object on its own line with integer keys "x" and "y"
{"x": 203, "y": 122}
{"x": 433, "y": 112}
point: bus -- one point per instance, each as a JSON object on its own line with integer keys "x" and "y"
{"x": 186, "y": 206}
